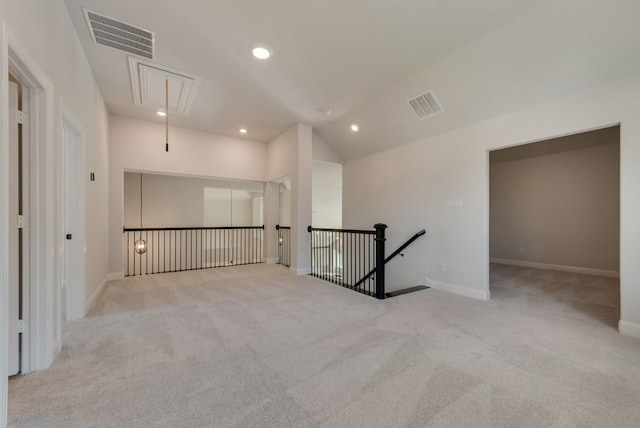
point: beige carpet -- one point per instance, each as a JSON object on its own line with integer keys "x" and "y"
{"x": 253, "y": 346}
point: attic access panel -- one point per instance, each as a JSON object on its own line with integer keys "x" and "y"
{"x": 148, "y": 86}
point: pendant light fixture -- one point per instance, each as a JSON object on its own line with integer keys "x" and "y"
{"x": 140, "y": 245}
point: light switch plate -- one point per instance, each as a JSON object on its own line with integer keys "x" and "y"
{"x": 454, "y": 203}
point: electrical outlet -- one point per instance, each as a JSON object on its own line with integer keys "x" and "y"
{"x": 443, "y": 267}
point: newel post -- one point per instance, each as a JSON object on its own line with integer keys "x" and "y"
{"x": 380, "y": 239}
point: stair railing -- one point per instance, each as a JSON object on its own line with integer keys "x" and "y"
{"x": 353, "y": 258}
{"x": 394, "y": 254}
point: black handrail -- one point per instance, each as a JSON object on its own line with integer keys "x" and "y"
{"x": 142, "y": 229}
{"x": 395, "y": 253}
{"x": 319, "y": 229}
{"x": 405, "y": 245}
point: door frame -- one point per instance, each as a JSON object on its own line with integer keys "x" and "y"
{"x": 43, "y": 340}
{"x": 24, "y": 172}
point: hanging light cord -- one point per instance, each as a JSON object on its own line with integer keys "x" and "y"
{"x": 166, "y": 117}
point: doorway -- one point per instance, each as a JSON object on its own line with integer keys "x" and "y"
{"x": 39, "y": 341}
{"x": 555, "y": 223}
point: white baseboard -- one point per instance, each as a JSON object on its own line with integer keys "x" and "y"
{"x": 114, "y": 276}
{"x": 629, "y": 328}
{"x": 300, "y": 271}
{"x": 458, "y": 289}
{"x": 559, "y": 268}
{"x": 96, "y": 293}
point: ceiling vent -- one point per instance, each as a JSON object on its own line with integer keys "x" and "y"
{"x": 116, "y": 34}
{"x": 425, "y": 105}
{"x": 148, "y": 82}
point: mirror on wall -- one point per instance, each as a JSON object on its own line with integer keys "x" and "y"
{"x": 157, "y": 200}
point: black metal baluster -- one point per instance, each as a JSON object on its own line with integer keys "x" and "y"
{"x": 128, "y": 251}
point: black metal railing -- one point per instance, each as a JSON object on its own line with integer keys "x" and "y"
{"x": 175, "y": 249}
{"x": 394, "y": 254}
{"x": 284, "y": 245}
{"x": 345, "y": 256}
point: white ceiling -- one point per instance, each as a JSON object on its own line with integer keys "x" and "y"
{"x": 364, "y": 59}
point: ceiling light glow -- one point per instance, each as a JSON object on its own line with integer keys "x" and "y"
{"x": 161, "y": 113}
{"x": 261, "y": 52}
{"x": 243, "y": 130}
{"x": 355, "y": 128}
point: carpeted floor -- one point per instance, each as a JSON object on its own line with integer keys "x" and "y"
{"x": 253, "y": 346}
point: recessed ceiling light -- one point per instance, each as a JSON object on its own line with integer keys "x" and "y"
{"x": 242, "y": 130}
{"x": 355, "y": 128}
{"x": 261, "y": 52}
{"x": 161, "y": 113}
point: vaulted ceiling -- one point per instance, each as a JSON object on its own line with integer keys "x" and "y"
{"x": 363, "y": 60}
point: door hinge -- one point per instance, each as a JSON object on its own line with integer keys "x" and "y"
{"x": 22, "y": 221}
{"x": 21, "y": 117}
{"x": 22, "y": 325}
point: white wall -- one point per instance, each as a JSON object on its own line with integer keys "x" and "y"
{"x": 408, "y": 188}
{"x": 290, "y": 155}
{"x": 44, "y": 32}
{"x": 560, "y": 209}
{"x": 137, "y": 145}
{"x": 282, "y": 154}
{"x": 322, "y": 152}
{"x": 327, "y": 194}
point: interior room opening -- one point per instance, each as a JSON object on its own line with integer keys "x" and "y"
{"x": 554, "y": 223}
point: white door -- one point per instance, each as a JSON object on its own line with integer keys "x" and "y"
{"x": 14, "y": 236}
{"x": 73, "y": 294}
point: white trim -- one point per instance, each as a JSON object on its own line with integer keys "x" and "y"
{"x": 300, "y": 271}
{"x": 114, "y": 276}
{"x": 460, "y": 290}
{"x": 91, "y": 301}
{"x": 629, "y": 328}
{"x": 4, "y": 222}
{"x": 559, "y": 268}
{"x": 486, "y": 236}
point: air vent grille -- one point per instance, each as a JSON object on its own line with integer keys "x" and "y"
{"x": 120, "y": 35}
{"x": 425, "y": 105}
